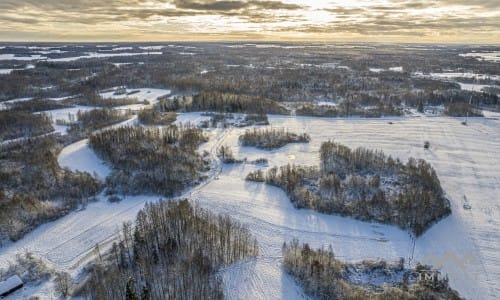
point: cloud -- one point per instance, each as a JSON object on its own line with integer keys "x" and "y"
{"x": 247, "y": 18}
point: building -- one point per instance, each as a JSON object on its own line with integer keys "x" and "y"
{"x": 10, "y": 285}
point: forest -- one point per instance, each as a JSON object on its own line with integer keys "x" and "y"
{"x": 349, "y": 108}
{"x": 272, "y": 138}
{"x": 366, "y": 185}
{"x": 17, "y": 124}
{"x": 151, "y": 160}
{"x": 322, "y": 276}
{"x": 37, "y": 105}
{"x": 288, "y": 76}
{"x": 173, "y": 252}
{"x": 34, "y": 189}
{"x": 225, "y": 103}
{"x": 94, "y": 99}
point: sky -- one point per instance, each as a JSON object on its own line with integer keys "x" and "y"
{"x": 407, "y": 21}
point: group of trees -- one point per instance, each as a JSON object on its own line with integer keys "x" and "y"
{"x": 94, "y": 99}
{"x": 89, "y": 121}
{"x": 173, "y": 252}
{"x": 322, "y": 276}
{"x": 37, "y": 105}
{"x": 271, "y": 138}
{"x": 17, "y": 124}
{"x": 155, "y": 117}
{"x": 151, "y": 160}
{"x": 349, "y": 108}
{"x": 234, "y": 103}
{"x": 34, "y": 189}
{"x": 365, "y": 185}
{"x": 226, "y": 155}
{"x": 458, "y": 109}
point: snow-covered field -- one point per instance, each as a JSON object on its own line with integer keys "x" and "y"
{"x": 466, "y": 244}
{"x": 79, "y": 157}
{"x": 488, "y": 56}
{"x": 151, "y": 95}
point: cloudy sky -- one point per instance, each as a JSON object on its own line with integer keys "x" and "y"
{"x": 440, "y": 21}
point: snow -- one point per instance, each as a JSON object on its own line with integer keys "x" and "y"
{"x": 121, "y": 64}
{"x": 464, "y": 157}
{"x": 194, "y": 118}
{"x": 396, "y": 69}
{"x": 493, "y": 56}
{"x": 392, "y": 69}
{"x": 122, "y": 48}
{"x": 4, "y": 106}
{"x": 6, "y": 71}
{"x": 465, "y": 75}
{"x": 53, "y": 51}
{"x": 151, "y": 95}
{"x": 451, "y": 76}
{"x": 327, "y": 103}
{"x": 465, "y": 245}
{"x": 64, "y": 113}
{"x": 101, "y": 55}
{"x": 79, "y": 157}
{"x": 152, "y": 47}
{"x": 10, "y": 284}
{"x": 23, "y": 58}
{"x": 473, "y": 86}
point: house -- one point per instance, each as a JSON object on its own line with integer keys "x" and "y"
{"x": 10, "y": 285}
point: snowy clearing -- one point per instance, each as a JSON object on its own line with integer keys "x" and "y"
{"x": 140, "y": 94}
{"x": 79, "y": 157}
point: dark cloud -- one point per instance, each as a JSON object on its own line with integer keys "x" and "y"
{"x": 233, "y": 5}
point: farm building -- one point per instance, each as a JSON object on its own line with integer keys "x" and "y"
{"x": 10, "y": 285}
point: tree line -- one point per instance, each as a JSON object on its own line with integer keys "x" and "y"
{"x": 173, "y": 252}
{"x": 366, "y": 185}
{"x": 322, "y": 276}
{"x": 272, "y": 138}
{"x": 151, "y": 160}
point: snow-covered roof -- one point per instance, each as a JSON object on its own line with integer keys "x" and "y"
{"x": 10, "y": 284}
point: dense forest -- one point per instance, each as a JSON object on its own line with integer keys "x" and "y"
{"x": 462, "y": 109}
{"x": 94, "y": 99}
{"x": 322, "y": 276}
{"x": 351, "y": 108}
{"x": 34, "y": 189}
{"x": 223, "y": 103}
{"x": 173, "y": 252}
{"x": 366, "y": 185}
{"x": 37, "y": 105}
{"x": 272, "y": 138}
{"x": 151, "y": 160}
{"x": 17, "y": 124}
{"x": 235, "y": 103}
